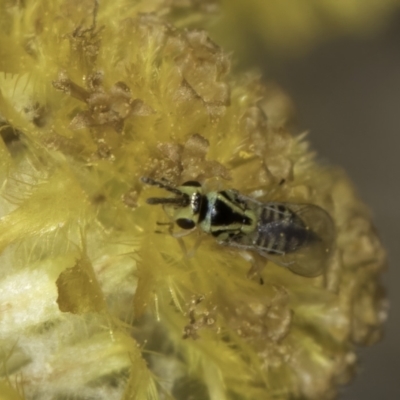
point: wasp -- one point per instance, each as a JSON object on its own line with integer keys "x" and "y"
{"x": 297, "y": 236}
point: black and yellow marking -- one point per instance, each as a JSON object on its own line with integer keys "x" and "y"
{"x": 280, "y": 230}
{"x": 227, "y": 217}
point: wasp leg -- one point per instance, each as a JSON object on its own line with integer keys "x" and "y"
{"x": 179, "y": 235}
{"x": 169, "y": 224}
{"x": 257, "y": 264}
{"x": 192, "y": 252}
{"x": 176, "y": 235}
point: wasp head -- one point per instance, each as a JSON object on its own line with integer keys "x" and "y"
{"x": 185, "y": 205}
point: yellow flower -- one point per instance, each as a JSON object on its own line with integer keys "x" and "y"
{"x": 94, "y": 303}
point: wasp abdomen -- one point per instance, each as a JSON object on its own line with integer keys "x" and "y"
{"x": 281, "y": 231}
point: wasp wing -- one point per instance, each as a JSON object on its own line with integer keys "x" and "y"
{"x": 297, "y": 236}
{"x": 316, "y": 228}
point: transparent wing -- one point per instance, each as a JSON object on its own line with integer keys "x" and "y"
{"x": 311, "y": 258}
{"x": 311, "y": 222}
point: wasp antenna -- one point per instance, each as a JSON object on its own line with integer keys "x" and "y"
{"x": 166, "y": 186}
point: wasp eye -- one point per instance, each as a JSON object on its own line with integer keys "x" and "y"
{"x": 192, "y": 183}
{"x": 185, "y": 223}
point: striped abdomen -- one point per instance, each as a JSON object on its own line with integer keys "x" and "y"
{"x": 281, "y": 231}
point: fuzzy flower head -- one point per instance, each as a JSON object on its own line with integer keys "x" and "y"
{"x": 99, "y": 298}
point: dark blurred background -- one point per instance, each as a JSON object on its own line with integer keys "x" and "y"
{"x": 347, "y": 93}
